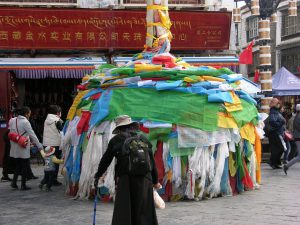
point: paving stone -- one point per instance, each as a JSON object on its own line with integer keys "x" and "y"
{"x": 276, "y": 202}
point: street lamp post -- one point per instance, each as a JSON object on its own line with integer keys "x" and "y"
{"x": 264, "y": 9}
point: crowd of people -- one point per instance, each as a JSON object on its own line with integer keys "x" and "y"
{"x": 136, "y": 175}
{"x": 283, "y": 132}
{"x": 16, "y": 157}
{"x": 135, "y": 179}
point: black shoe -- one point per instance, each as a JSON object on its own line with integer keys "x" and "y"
{"x": 25, "y": 188}
{"x": 14, "y": 186}
{"x": 278, "y": 167}
{"x": 48, "y": 189}
{"x": 56, "y": 183}
{"x": 272, "y": 166}
{"x": 6, "y": 178}
{"x": 285, "y": 168}
{"x": 32, "y": 178}
{"x": 41, "y": 186}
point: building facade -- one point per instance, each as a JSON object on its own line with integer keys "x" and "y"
{"x": 285, "y": 40}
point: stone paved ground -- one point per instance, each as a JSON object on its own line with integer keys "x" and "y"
{"x": 277, "y": 202}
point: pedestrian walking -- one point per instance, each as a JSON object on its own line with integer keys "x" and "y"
{"x": 53, "y": 126}
{"x": 276, "y": 124}
{"x": 135, "y": 174}
{"x": 50, "y": 168}
{"x": 296, "y": 134}
{"x": 6, "y": 159}
{"x": 21, "y": 125}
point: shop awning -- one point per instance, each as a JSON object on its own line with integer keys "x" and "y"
{"x": 40, "y": 68}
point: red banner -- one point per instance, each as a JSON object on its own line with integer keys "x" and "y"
{"x": 36, "y": 28}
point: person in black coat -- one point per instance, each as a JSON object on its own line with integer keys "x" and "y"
{"x": 277, "y": 127}
{"x": 134, "y": 202}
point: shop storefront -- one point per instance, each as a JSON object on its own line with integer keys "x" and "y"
{"x": 38, "y": 83}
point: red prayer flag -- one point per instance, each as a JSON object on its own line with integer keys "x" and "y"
{"x": 246, "y": 55}
{"x": 256, "y": 76}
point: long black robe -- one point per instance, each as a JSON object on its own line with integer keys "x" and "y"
{"x": 134, "y": 203}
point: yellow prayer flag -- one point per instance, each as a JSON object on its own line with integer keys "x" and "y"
{"x": 248, "y": 132}
{"x": 225, "y": 120}
{"x": 72, "y": 110}
{"x": 236, "y": 105}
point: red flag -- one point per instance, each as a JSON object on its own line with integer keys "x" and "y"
{"x": 246, "y": 55}
{"x": 256, "y": 76}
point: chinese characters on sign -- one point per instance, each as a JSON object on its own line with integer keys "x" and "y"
{"x": 28, "y": 28}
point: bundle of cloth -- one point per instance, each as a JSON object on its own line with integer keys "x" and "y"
{"x": 204, "y": 128}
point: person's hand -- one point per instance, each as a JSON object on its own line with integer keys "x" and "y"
{"x": 96, "y": 181}
{"x": 42, "y": 152}
{"x": 157, "y": 186}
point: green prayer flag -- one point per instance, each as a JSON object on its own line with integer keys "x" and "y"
{"x": 174, "y": 107}
{"x": 247, "y": 114}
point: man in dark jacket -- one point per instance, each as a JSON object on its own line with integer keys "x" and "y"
{"x": 134, "y": 202}
{"x": 276, "y": 129}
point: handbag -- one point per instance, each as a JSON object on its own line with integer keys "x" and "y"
{"x": 17, "y": 138}
{"x": 288, "y": 135}
{"x": 158, "y": 201}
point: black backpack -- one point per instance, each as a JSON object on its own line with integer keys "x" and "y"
{"x": 136, "y": 150}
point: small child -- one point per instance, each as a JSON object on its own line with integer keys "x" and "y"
{"x": 49, "y": 169}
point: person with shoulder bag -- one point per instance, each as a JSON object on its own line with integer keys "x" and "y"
{"x": 296, "y": 134}
{"x": 20, "y": 150}
{"x": 276, "y": 134}
{"x": 53, "y": 126}
{"x": 135, "y": 174}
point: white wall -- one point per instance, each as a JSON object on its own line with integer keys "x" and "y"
{"x": 96, "y": 3}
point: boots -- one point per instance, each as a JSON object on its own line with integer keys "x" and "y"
{"x": 5, "y": 178}
{"x": 25, "y": 188}
{"x": 14, "y": 182}
{"x": 14, "y": 185}
{"x": 23, "y": 184}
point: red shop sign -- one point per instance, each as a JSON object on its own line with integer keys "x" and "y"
{"x": 37, "y": 28}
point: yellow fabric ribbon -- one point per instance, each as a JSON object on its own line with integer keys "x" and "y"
{"x": 119, "y": 82}
{"x": 72, "y": 110}
{"x": 210, "y": 78}
{"x": 257, "y": 148}
{"x": 146, "y": 67}
{"x": 236, "y": 105}
{"x": 225, "y": 120}
{"x": 232, "y": 165}
{"x": 157, "y": 7}
{"x": 248, "y": 132}
{"x": 114, "y": 78}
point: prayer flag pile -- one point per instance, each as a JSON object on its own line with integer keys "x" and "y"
{"x": 204, "y": 128}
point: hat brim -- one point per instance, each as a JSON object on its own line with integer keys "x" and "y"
{"x": 123, "y": 124}
{"x": 50, "y": 153}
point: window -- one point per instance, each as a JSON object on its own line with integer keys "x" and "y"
{"x": 290, "y": 59}
{"x": 290, "y": 24}
{"x": 252, "y": 28}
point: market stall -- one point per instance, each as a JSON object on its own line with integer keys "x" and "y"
{"x": 286, "y": 87}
